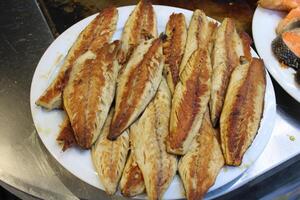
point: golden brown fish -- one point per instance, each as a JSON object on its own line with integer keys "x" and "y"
{"x": 189, "y": 102}
{"x": 66, "y": 135}
{"x": 109, "y": 157}
{"x": 90, "y": 92}
{"x": 228, "y": 47}
{"x": 173, "y": 48}
{"x": 279, "y": 4}
{"x": 137, "y": 85}
{"x": 132, "y": 181}
{"x": 94, "y": 36}
{"x": 242, "y": 110}
{"x": 199, "y": 35}
{"x": 140, "y": 26}
{"x": 148, "y": 136}
{"x": 200, "y": 166}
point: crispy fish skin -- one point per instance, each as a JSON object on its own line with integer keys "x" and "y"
{"x": 109, "y": 157}
{"x": 94, "y": 36}
{"x": 228, "y": 48}
{"x": 242, "y": 110}
{"x": 132, "y": 181}
{"x": 199, "y": 35}
{"x": 66, "y": 135}
{"x": 173, "y": 48}
{"x": 200, "y": 166}
{"x": 90, "y": 92}
{"x": 140, "y": 26}
{"x": 137, "y": 85}
{"x": 148, "y": 136}
{"x": 189, "y": 102}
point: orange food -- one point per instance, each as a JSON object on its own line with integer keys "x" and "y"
{"x": 279, "y": 4}
{"x": 292, "y": 41}
{"x": 290, "y": 21}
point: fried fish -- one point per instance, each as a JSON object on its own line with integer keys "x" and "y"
{"x": 90, "y": 92}
{"x": 242, "y": 110}
{"x": 173, "y": 48}
{"x": 189, "y": 102}
{"x": 137, "y": 85}
{"x": 94, "y": 36}
{"x": 109, "y": 157}
{"x": 66, "y": 135}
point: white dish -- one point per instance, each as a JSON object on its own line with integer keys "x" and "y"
{"x": 264, "y": 25}
{"x": 79, "y": 161}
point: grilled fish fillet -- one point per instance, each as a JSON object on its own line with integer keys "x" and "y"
{"x": 66, "y": 134}
{"x": 148, "y": 137}
{"x": 242, "y": 110}
{"x": 140, "y": 26}
{"x": 109, "y": 157}
{"x": 132, "y": 181}
{"x": 137, "y": 85}
{"x": 173, "y": 48}
{"x": 200, "y": 166}
{"x": 94, "y": 36}
{"x": 189, "y": 102}
{"x": 90, "y": 92}
{"x": 199, "y": 35}
{"x": 228, "y": 48}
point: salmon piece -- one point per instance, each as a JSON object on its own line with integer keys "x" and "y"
{"x": 200, "y": 166}
{"x": 140, "y": 26}
{"x": 242, "y": 110}
{"x": 137, "y": 85}
{"x": 109, "y": 157}
{"x": 90, "y": 92}
{"x": 132, "y": 181}
{"x": 286, "y": 5}
{"x": 292, "y": 41}
{"x": 292, "y": 20}
{"x": 199, "y": 35}
{"x": 148, "y": 135}
{"x": 189, "y": 102}
{"x": 66, "y": 135}
{"x": 173, "y": 48}
{"x": 93, "y": 37}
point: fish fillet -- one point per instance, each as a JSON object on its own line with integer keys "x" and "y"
{"x": 199, "y": 35}
{"x": 66, "y": 135}
{"x": 109, "y": 157}
{"x": 94, "y": 36}
{"x": 228, "y": 47}
{"x": 173, "y": 48}
{"x": 189, "y": 102}
{"x": 279, "y": 4}
{"x": 140, "y": 26}
{"x": 148, "y": 137}
{"x": 200, "y": 166}
{"x": 242, "y": 110}
{"x": 132, "y": 181}
{"x": 90, "y": 92}
{"x": 137, "y": 85}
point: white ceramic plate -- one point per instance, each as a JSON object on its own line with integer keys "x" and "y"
{"x": 79, "y": 161}
{"x": 264, "y": 24}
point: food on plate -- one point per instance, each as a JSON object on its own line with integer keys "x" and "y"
{"x": 140, "y": 25}
{"x": 148, "y": 135}
{"x": 173, "y": 48}
{"x": 189, "y": 102}
{"x": 94, "y": 36}
{"x": 200, "y": 166}
{"x": 279, "y": 4}
{"x": 242, "y": 110}
{"x": 90, "y": 91}
{"x": 289, "y": 22}
{"x": 132, "y": 181}
{"x": 137, "y": 85}
{"x": 66, "y": 135}
{"x": 109, "y": 157}
{"x": 286, "y": 48}
{"x": 199, "y": 35}
{"x": 227, "y": 49}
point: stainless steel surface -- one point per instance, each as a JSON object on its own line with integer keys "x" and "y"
{"x": 26, "y": 167}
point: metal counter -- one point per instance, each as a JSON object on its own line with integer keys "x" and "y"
{"x": 29, "y": 171}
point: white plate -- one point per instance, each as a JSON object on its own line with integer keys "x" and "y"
{"x": 264, "y": 24}
{"x": 79, "y": 161}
